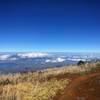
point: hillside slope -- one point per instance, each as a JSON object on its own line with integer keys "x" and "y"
{"x": 86, "y": 87}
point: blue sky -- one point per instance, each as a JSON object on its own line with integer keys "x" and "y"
{"x": 50, "y": 25}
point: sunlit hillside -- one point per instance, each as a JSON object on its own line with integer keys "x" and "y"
{"x": 40, "y": 85}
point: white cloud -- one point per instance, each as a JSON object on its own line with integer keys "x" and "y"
{"x": 60, "y": 59}
{"x": 56, "y": 60}
{"x": 76, "y": 59}
{"x": 32, "y": 55}
{"x": 48, "y": 60}
{"x": 4, "y": 57}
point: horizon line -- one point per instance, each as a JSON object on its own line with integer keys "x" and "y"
{"x": 51, "y": 51}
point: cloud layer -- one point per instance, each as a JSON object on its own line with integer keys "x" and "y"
{"x": 4, "y": 57}
{"x": 56, "y": 60}
{"x": 22, "y": 55}
{"x": 32, "y": 55}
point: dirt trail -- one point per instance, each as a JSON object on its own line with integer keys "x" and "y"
{"x": 82, "y": 88}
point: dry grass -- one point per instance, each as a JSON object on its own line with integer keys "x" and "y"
{"x": 30, "y": 86}
{"x": 37, "y": 85}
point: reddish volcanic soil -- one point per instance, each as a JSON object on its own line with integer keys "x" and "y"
{"x": 85, "y": 87}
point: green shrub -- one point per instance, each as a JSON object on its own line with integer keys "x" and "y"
{"x": 81, "y": 63}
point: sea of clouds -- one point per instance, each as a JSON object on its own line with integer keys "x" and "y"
{"x": 22, "y": 55}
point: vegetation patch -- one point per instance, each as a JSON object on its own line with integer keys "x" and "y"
{"x": 40, "y": 85}
{"x": 29, "y": 87}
